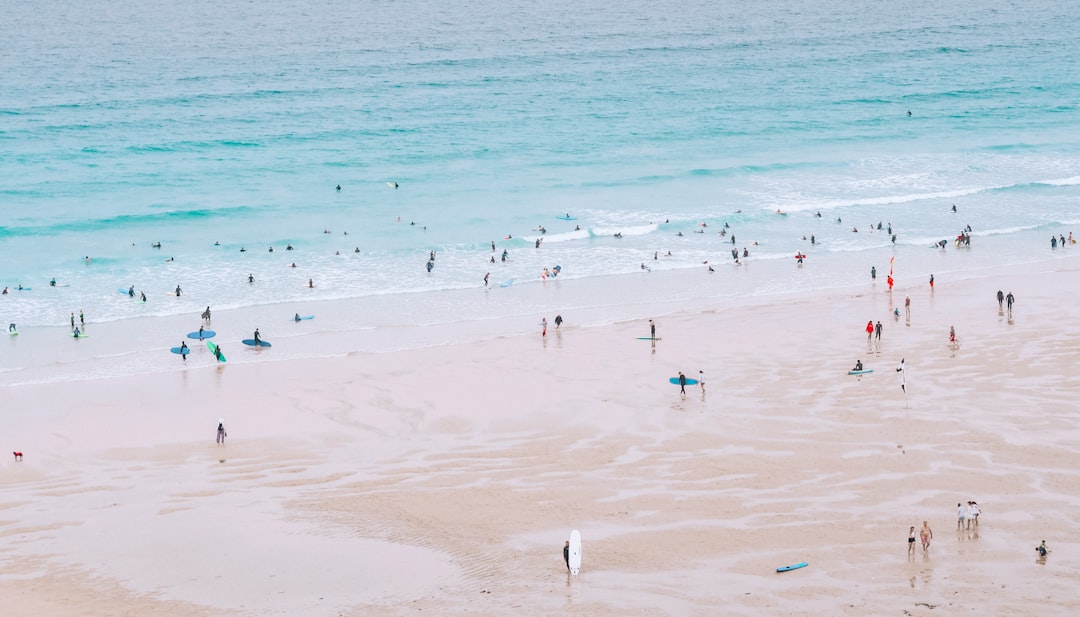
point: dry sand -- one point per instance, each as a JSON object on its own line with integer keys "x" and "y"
{"x": 445, "y": 480}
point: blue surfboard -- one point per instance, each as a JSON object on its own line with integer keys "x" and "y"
{"x": 794, "y": 566}
{"x": 303, "y": 317}
{"x": 565, "y": 218}
{"x": 862, "y": 372}
{"x": 178, "y": 350}
{"x": 250, "y": 342}
{"x": 689, "y": 382}
{"x": 205, "y": 335}
{"x": 506, "y": 283}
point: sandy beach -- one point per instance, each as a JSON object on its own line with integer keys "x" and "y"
{"x": 445, "y": 480}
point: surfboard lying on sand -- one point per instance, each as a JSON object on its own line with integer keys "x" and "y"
{"x": 250, "y": 342}
{"x": 205, "y": 335}
{"x": 689, "y": 382}
{"x": 575, "y": 552}
{"x": 794, "y": 566}
{"x": 648, "y": 338}
{"x": 214, "y": 350}
{"x": 862, "y": 372}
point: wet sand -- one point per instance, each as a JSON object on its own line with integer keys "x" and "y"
{"x": 445, "y": 480}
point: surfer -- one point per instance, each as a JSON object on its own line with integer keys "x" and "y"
{"x": 310, "y": 284}
{"x": 218, "y": 353}
{"x": 566, "y": 554}
{"x": 682, "y": 384}
{"x": 652, "y": 329}
{"x": 954, "y": 207}
{"x": 5, "y": 292}
{"x": 73, "y": 321}
{"x": 76, "y": 333}
{"x": 183, "y": 350}
{"x": 296, "y": 317}
{"x": 178, "y": 291}
{"x": 1009, "y": 301}
{"x": 205, "y": 316}
{"x": 645, "y": 268}
{"x": 52, "y": 282}
{"x": 251, "y": 278}
{"x": 142, "y": 296}
{"x": 82, "y": 318}
{"x": 701, "y": 381}
{"x": 618, "y": 234}
{"x": 221, "y": 434}
{"x": 858, "y": 367}
{"x": 393, "y": 185}
{"x": 558, "y": 321}
{"x": 256, "y": 337}
{"x": 430, "y": 265}
{"x": 873, "y": 273}
{"x": 538, "y": 241}
{"x": 292, "y": 265}
{"x": 877, "y": 331}
{"x": 131, "y": 291}
{"x": 11, "y": 327}
{"x": 1040, "y": 549}
{"x": 486, "y": 279}
{"x": 288, "y": 247}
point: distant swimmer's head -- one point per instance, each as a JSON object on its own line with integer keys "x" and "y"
{"x": 339, "y": 187}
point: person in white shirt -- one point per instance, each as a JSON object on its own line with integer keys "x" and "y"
{"x": 973, "y": 514}
{"x": 961, "y": 516}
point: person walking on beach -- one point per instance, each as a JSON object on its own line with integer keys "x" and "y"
{"x": 873, "y": 277}
{"x": 566, "y": 554}
{"x": 877, "y": 331}
{"x": 952, "y": 336}
{"x": 218, "y": 353}
{"x": 543, "y": 326}
{"x": 869, "y": 331}
{"x": 1001, "y": 298}
{"x": 1009, "y": 302}
{"x": 926, "y": 534}
{"x": 558, "y": 321}
{"x": 907, "y": 308}
{"x": 73, "y": 321}
{"x": 931, "y": 282}
{"x": 258, "y": 339}
{"x": 961, "y": 516}
{"x": 486, "y": 279}
{"x": 652, "y": 329}
{"x": 911, "y": 541}
{"x": 701, "y": 381}
{"x": 206, "y": 316}
{"x": 973, "y": 515}
{"x": 183, "y": 350}
{"x": 682, "y": 384}
{"x": 889, "y": 280}
{"x": 221, "y": 434}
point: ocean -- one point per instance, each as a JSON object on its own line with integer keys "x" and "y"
{"x": 222, "y": 130}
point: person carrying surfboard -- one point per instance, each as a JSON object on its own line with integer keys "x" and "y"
{"x": 258, "y": 341}
{"x": 566, "y": 555}
{"x": 183, "y": 350}
{"x": 682, "y": 384}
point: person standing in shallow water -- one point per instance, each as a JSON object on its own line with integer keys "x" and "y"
{"x": 221, "y": 434}
{"x": 926, "y": 534}
{"x": 566, "y": 554}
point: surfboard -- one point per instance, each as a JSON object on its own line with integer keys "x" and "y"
{"x": 862, "y": 372}
{"x": 60, "y": 285}
{"x": 81, "y": 335}
{"x": 689, "y": 382}
{"x": 22, "y": 289}
{"x": 172, "y": 294}
{"x": 13, "y": 333}
{"x": 124, "y": 291}
{"x": 205, "y": 335}
{"x": 566, "y": 218}
{"x": 392, "y": 185}
{"x": 213, "y": 349}
{"x": 250, "y": 342}
{"x": 575, "y": 552}
{"x": 506, "y": 283}
{"x": 178, "y": 350}
{"x": 303, "y": 317}
{"x": 647, "y": 338}
{"x": 794, "y": 566}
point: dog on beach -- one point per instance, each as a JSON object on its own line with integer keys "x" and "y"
{"x": 18, "y": 455}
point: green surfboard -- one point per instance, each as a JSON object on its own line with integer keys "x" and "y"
{"x": 214, "y": 350}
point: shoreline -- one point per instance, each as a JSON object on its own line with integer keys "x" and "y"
{"x": 377, "y": 324}
{"x": 445, "y": 473}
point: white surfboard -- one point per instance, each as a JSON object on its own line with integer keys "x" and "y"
{"x": 575, "y": 552}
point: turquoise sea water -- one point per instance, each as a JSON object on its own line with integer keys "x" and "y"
{"x": 127, "y": 124}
